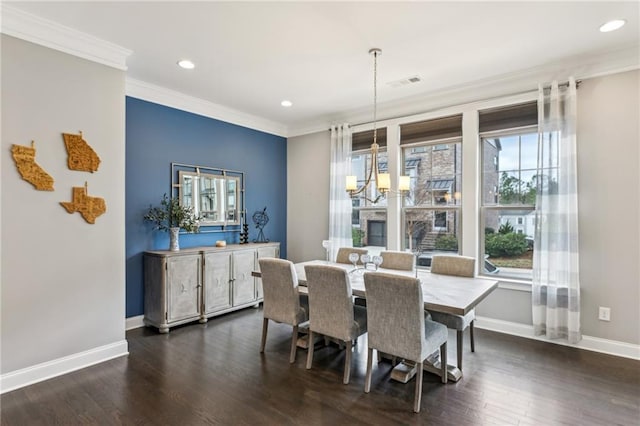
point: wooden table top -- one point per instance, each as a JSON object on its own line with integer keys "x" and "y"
{"x": 441, "y": 293}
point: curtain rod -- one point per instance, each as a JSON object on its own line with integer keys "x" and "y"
{"x": 563, "y": 84}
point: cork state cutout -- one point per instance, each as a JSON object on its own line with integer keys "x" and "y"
{"x": 81, "y": 156}
{"x": 89, "y": 207}
{"x": 25, "y": 159}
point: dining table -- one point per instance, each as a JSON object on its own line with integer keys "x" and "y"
{"x": 441, "y": 293}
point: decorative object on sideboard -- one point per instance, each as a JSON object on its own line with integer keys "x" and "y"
{"x": 244, "y": 234}
{"x": 25, "y": 159}
{"x": 81, "y": 157}
{"x": 260, "y": 219}
{"x": 171, "y": 216}
{"x": 89, "y": 207}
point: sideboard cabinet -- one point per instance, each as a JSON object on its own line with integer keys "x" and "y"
{"x": 201, "y": 282}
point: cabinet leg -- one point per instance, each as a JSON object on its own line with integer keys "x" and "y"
{"x": 163, "y": 329}
{"x": 203, "y": 320}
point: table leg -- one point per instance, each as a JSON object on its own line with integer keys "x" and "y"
{"x": 405, "y": 371}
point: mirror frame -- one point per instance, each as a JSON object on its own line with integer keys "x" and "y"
{"x": 227, "y": 187}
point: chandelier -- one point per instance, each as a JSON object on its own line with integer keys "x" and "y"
{"x": 382, "y": 180}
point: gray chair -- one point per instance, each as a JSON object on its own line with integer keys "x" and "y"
{"x": 461, "y": 266}
{"x": 282, "y": 303}
{"x": 344, "y": 252}
{"x": 399, "y": 260}
{"x": 397, "y": 325}
{"x": 331, "y": 310}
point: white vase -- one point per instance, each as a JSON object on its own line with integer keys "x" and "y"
{"x": 174, "y": 244}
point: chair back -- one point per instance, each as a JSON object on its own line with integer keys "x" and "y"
{"x": 395, "y": 315}
{"x": 280, "y": 289}
{"x": 330, "y": 303}
{"x": 461, "y": 266}
{"x": 344, "y": 252}
{"x": 399, "y": 260}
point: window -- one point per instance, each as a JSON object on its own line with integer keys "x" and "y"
{"x": 431, "y": 210}
{"x": 508, "y": 199}
{"x": 368, "y": 220}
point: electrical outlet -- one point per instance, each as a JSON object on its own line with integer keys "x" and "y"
{"x": 604, "y": 314}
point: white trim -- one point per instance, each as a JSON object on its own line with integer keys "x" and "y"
{"x": 134, "y": 322}
{"x": 57, "y": 367}
{"x": 32, "y": 28}
{"x": 160, "y": 95}
{"x": 595, "y": 344}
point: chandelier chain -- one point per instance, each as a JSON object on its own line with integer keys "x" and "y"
{"x": 375, "y": 96}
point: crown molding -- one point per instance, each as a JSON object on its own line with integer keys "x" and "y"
{"x": 160, "y": 95}
{"x": 25, "y": 26}
{"x": 627, "y": 58}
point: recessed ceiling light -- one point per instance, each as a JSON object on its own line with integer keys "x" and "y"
{"x": 612, "y": 25}
{"x": 186, "y": 64}
{"x": 286, "y": 103}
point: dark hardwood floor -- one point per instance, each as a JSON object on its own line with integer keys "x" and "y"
{"x": 214, "y": 374}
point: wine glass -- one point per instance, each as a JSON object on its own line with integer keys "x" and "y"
{"x": 327, "y": 246}
{"x": 353, "y": 258}
{"x": 377, "y": 261}
{"x": 365, "y": 259}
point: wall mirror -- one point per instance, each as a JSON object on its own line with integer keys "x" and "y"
{"x": 217, "y": 195}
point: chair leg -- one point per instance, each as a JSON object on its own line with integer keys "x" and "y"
{"x": 265, "y": 326}
{"x": 459, "y": 336}
{"x": 418, "y": 395}
{"x": 367, "y": 380}
{"x": 310, "y": 350}
{"x": 443, "y": 362}
{"x": 473, "y": 343}
{"x": 294, "y": 343}
{"x": 347, "y": 363}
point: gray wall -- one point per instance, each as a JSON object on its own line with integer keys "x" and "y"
{"x": 307, "y": 195}
{"x": 62, "y": 278}
{"x": 609, "y": 197}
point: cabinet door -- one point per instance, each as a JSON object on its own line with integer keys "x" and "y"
{"x": 217, "y": 284}
{"x": 270, "y": 251}
{"x": 244, "y": 287}
{"x": 183, "y": 285}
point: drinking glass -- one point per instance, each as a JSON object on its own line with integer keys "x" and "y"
{"x": 353, "y": 258}
{"x": 327, "y": 246}
{"x": 377, "y": 261}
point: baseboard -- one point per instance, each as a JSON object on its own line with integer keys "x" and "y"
{"x": 57, "y": 367}
{"x": 596, "y": 344}
{"x": 134, "y": 322}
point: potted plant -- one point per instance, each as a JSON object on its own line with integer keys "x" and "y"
{"x": 171, "y": 216}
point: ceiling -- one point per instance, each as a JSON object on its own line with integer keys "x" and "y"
{"x": 250, "y": 56}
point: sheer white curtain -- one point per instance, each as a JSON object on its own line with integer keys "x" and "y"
{"x": 556, "y": 284}
{"x": 339, "y": 200}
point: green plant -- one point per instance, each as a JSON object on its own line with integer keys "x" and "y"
{"x": 506, "y": 228}
{"x": 446, "y": 242}
{"x": 499, "y": 245}
{"x": 357, "y": 235}
{"x": 171, "y": 214}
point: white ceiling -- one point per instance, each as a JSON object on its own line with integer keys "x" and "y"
{"x": 251, "y": 55}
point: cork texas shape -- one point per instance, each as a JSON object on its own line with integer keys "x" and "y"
{"x": 25, "y": 159}
{"x": 89, "y": 207}
{"x": 81, "y": 156}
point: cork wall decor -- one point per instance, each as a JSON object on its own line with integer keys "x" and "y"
{"x": 81, "y": 156}
{"x": 25, "y": 159}
{"x": 89, "y": 207}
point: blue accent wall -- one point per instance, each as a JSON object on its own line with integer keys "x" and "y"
{"x": 156, "y": 136}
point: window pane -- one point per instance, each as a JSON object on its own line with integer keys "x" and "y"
{"x": 435, "y": 175}
{"x": 529, "y": 154}
{"x": 431, "y": 231}
{"x": 508, "y": 242}
{"x": 370, "y": 230}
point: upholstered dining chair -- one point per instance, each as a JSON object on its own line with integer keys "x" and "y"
{"x": 344, "y": 252}
{"x": 399, "y": 260}
{"x": 398, "y": 326}
{"x": 282, "y": 303}
{"x": 332, "y": 312}
{"x": 461, "y": 266}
